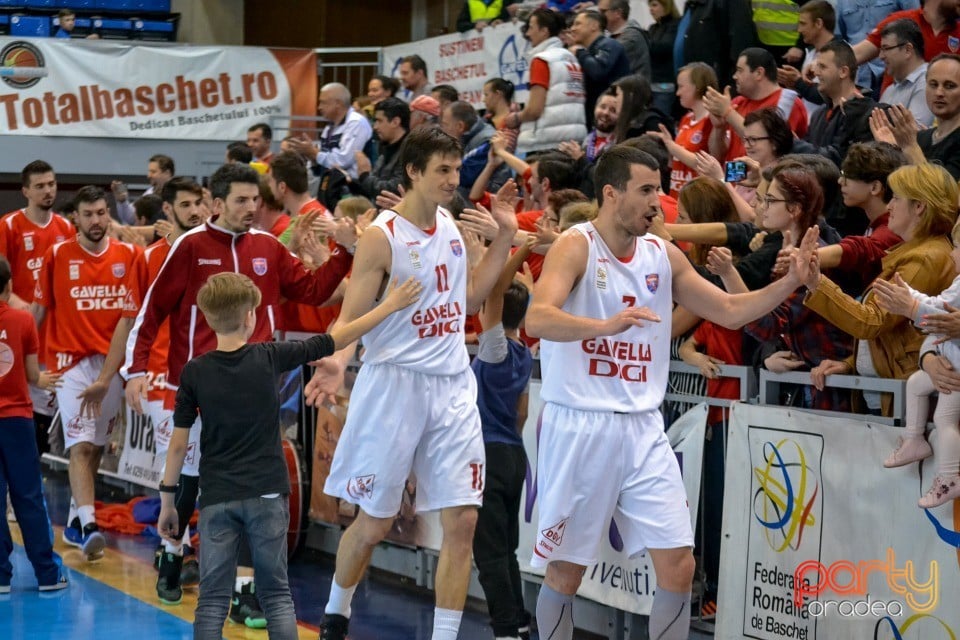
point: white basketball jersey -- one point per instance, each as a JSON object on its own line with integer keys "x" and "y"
{"x": 427, "y": 336}
{"x": 627, "y": 372}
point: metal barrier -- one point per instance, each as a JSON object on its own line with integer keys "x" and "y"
{"x": 770, "y": 390}
{"x": 350, "y": 66}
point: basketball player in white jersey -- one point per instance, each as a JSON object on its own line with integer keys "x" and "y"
{"x": 602, "y": 309}
{"x": 413, "y": 406}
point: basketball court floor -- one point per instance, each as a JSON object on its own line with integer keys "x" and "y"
{"x": 114, "y": 598}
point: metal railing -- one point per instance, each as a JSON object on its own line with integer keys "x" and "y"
{"x": 770, "y": 383}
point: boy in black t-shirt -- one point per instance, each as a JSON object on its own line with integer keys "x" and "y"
{"x": 234, "y": 389}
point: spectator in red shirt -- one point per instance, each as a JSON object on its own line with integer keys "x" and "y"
{"x": 20, "y": 471}
{"x": 938, "y": 23}
{"x": 756, "y": 80}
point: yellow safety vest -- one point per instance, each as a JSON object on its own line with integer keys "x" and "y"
{"x": 480, "y": 10}
{"x": 776, "y": 22}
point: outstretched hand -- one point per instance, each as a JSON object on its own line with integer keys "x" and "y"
{"x": 629, "y": 317}
{"x": 399, "y": 296}
{"x": 893, "y": 296}
{"x": 326, "y": 382}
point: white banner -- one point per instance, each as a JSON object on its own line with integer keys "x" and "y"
{"x": 139, "y": 463}
{"x": 616, "y": 580}
{"x": 808, "y": 506}
{"x": 468, "y": 60}
{"x": 109, "y": 89}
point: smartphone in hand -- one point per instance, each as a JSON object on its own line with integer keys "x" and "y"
{"x": 735, "y": 171}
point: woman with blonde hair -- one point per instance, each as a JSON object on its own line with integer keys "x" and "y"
{"x": 922, "y": 211}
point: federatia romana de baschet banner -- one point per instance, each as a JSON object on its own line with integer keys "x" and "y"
{"x": 120, "y": 90}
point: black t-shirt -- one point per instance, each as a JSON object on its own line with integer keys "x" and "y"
{"x": 236, "y": 394}
{"x": 946, "y": 152}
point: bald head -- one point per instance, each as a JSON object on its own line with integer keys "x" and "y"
{"x": 334, "y": 101}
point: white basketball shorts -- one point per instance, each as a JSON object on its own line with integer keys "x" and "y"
{"x": 77, "y": 428}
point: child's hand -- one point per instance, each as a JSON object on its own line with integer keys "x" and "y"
{"x": 525, "y": 277}
{"x": 49, "y": 381}
{"x": 400, "y": 296}
{"x": 168, "y": 523}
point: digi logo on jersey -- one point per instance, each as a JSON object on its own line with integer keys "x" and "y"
{"x": 617, "y": 359}
{"x": 438, "y": 321}
{"x": 99, "y": 297}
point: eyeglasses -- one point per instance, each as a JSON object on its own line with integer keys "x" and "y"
{"x": 767, "y": 200}
{"x": 752, "y": 140}
{"x": 892, "y": 47}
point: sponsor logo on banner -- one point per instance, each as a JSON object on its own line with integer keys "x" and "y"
{"x": 138, "y": 460}
{"x": 512, "y": 62}
{"x": 784, "y": 531}
{"x": 22, "y": 65}
{"x": 179, "y": 92}
{"x": 260, "y": 266}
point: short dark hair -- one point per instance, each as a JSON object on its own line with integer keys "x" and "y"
{"x": 843, "y": 55}
{"x": 177, "y": 184}
{"x": 225, "y": 176}
{"x": 164, "y": 162}
{"x": 594, "y": 15}
{"x": 873, "y": 161}
{"x": 149, "y": 207}
{"x": 757, "y": 58}
{"x": 6, "y": 274}
{"x": 416, "y": 63}
{"x": 906, "y": 32}
{"x": 823, "y": 11}
{"x": 264, "y": 129}
{"x": 289, "y": 168}
{"x": 558, "y": 168}
{"x": 613, "y": 168}
{"x": 395, "y": 108}
{"x": 35, "y": 168}
{"x": 464, "y": 112}
{"x": 781, "y": 137}
{"x": 658, "y": 151}
{"x": 446, "y": 91}
{"x": 390, "y": 85}
{"x": 423, "y": 143}
{"x": 502, "y": 86}
{"x": 515, "y": 300}
{"x": 239, "y": 152}
{"x": 623, "y": 6}
{"x": 552, "y": 21}
{"x": 65, "y": 13}
{"x": 943, "y": 56}
{"x": 88, "y": 195}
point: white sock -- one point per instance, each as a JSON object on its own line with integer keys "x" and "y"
{"x": 86, "y": 515}
{"x": 240, "y": 581}
{"x": 446, "y": 624}
{"x": 340, "y": 599}
{"x": 173, "y": 547}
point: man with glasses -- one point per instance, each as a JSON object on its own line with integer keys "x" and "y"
{"x": 901, "y": 49}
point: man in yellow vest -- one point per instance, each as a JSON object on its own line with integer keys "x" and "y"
{"x": 479, "y": 14}
{"x": 776, "y": 22}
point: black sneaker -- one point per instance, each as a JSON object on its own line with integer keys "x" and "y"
{"x": 190, "y": 573}
{"x": 168, "y": 582}
{"x": 245, "y": 608}
{"x": 333, "y": 627}
{"x": 93, "y": 542}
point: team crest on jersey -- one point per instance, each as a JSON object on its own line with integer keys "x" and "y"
{"x": 361, "y": 486}
{"x": 456, "y": 247}
{"x": 953, "y": 43}
{"x": 28, "y": 241}
{"x": 119, "y": 270}
{"x": 260, "y": 266}
{"x": 697, "y": 137}
{"x": 653, "y": 282}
